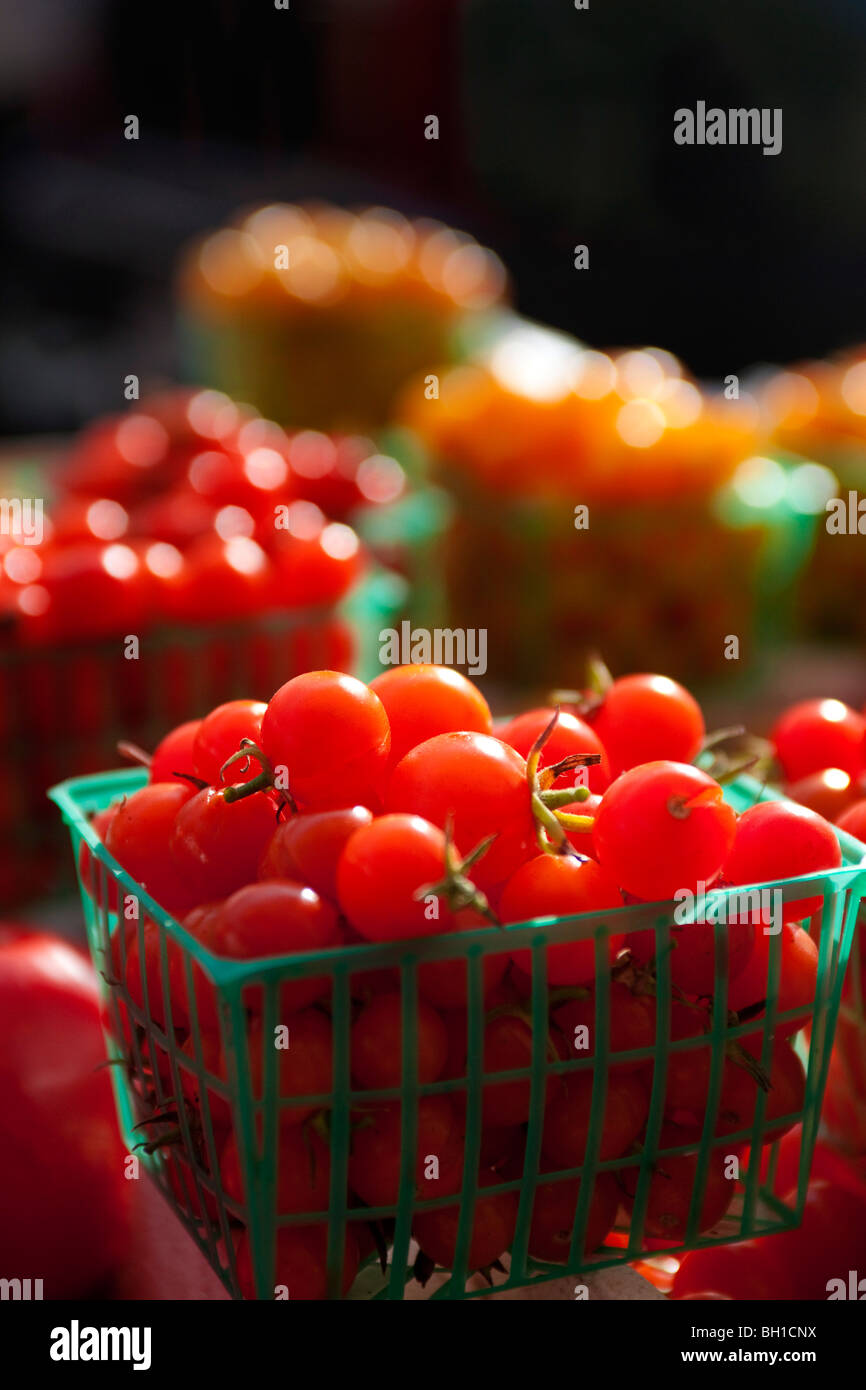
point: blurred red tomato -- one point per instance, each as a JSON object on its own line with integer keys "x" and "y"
{"x": 64, "y": 1200}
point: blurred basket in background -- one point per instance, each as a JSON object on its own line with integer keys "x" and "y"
{"x": 64, "y": 708}
{"x": 615, "y": 507}
{"x": 818, "y": 410}
{"x": 318, "y": 315}
{"x": 221, "y": 1110}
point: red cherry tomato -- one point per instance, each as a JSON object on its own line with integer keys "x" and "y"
{"x": 816, "y": 734}
{"x": 777, "y": 840}
{"x": 138, "y": 836}
{"x": 422, "y": 701}
{"x": 375, "y": 1159}
{"x": 662, "y": 828}
{"x": 480, "y": 782}
{"x": 647, "y": 718}
{"x": 553, "y": 1214}
{"x": 571, "y": 735}
{"x": 566, "y": 1124}
{"x": 215, "y": 845}
{"x": 273, "y": 919}
{"x": 672, "y": 1185}
{"x": 377, "y": 1043}
{"x": 64, "y": 1201}
{"x": 301, "y": 1269}
{"x": 853, "y": 820}
{"x": 219, "y": 737}
{"x": 493, "y": 1221}
{"x": 798, "y": 977}
{"x": 405, "y": 853}
{"x": 303, "y": 1170}
{"x": 173, "y": 754}
{"x": 332, "y": 735}
{"x": 561, "y": 886}
{"x": 307, "y": 847}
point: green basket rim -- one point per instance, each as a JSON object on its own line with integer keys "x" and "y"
{"x": 71, "y": 796}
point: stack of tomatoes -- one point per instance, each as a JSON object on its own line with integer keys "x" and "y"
{"x": 191, "y": 508}
{"x": 341, "y": 813}
{"x": 820, "y": 746}
{"x": 187, "y": 538}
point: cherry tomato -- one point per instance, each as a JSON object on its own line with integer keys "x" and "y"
{"x": 219, "y": 737}
{"x": 777, "y": 840}
{"x": 648, "y": 718}
{"x": 445, "y": 983}
{"x": 422, "y": 701}
{"x": 816, "y": 734}
{"x": 558, "y": 885}
{"x": 138, "y": 836}
{"x": 853, "y": 820}
{"x": 480, "y": 782}
{"x": 216, "y": 845}
{"x": 570, "y": 735}
{"x": 798, "y": 977}
{"x": 553, "y": 1214}
{"x": 631, "y": 1026}
{"x": 301, "y": 1266}
{"x": 86, "y": 591}
{"x": 64, "y": 1202}
{"x": 493, "y": 1221}
{"x": 672, "y": 1184}
{"x": 693, "y": 958}
{"x": 303, "y": 1170}
{"x": 173, "y": 755}
{"x": 662, "y": 828}
{"x": 332, "y": 735}
{"x": 274, "y": 919}
{"x": 308, "y": 847}
{"x": 828, "y": 793}
{"x": 566, "y": 1124}
{"x": 304, "y": 1066}
{"x": 377, "y": 1043}
{"x": 375, "y": 1159}
{"x": 380, "y": 872}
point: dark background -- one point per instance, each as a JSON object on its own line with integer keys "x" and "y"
{"x": 556, "y": 127}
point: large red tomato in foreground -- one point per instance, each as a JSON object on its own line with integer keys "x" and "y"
{"x": 64, "y": 1199}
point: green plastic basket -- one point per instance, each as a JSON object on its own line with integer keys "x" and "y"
{"x": 185, "y": 1162}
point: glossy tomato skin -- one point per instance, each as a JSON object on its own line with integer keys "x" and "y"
{"x": 422, "y": 701}
{"x": 276, "y": 918}
{"x": 661, "y": 828}
{"x": 777, "y": 840}
{"x": 480, "y": 783}
{"x": 138, "y": 837}
{"x": 64, "y": 1203}
{"x": 216, "y": 845}
{"x": 331, "y": 733}
{"x": 798, "y": 977}
{"x": 173, "y": 755}
{"x": 219, "y": 736}
{"x": 307, "y": 847}
{"x": 816, "y": 734}
{"x": 570, "y": 736}
{"x": 645, "y": 718}
{"x": 560, "y": 886}
{"x": 381, "y": 872}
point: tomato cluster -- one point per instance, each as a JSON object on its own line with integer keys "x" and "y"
{"x": 191, "y": 508}
{"x": 340, "y": 813}
{"x": 820, "y": 749}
